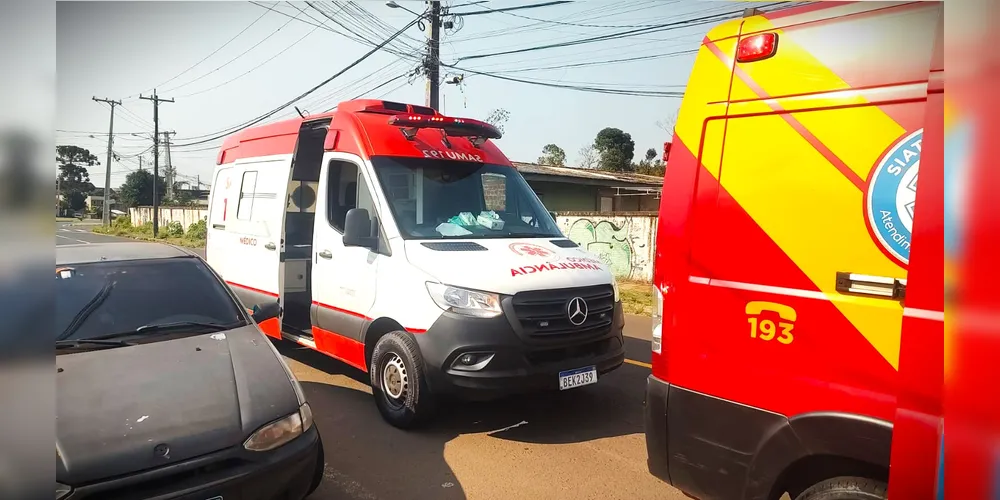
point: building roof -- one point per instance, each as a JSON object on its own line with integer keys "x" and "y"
{"x": 533, "y": 171}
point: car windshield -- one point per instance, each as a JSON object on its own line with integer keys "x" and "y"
{"x": 106, "y": 298}
{"x": 434, "y": 199}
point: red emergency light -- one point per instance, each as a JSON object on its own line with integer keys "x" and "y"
{"x": 757, "y": 47}
{"x": 477, "y": 131}
{"x": 666, "y": 150}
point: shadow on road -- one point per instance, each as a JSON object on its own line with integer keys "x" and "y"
{"x": 371, "y": 459}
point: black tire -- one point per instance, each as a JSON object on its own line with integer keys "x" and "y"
{"x": 845, "y": 488}
{"x": 411, "y": 405}
{"x": 320, "y": 467}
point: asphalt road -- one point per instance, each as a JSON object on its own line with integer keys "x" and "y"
{"x": 585, "y": 443}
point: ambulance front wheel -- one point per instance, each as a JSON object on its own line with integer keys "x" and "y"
{"x": 398, "y": 381}
{"x": 845, "y": 488}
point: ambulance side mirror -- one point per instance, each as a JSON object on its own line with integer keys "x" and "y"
{"x": 359, "y": 230}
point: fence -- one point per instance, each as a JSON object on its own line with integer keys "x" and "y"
{"x": 624, "y": 241}
{"x": 185, "y": 215}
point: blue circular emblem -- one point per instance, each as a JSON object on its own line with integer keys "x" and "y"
{"x": 892, "y": 191}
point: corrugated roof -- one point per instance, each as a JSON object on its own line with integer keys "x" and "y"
{"x": 587, "y": 173}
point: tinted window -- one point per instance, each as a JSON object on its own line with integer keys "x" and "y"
{"x": 433, "y": 198}
{"x": 141, "y": 293}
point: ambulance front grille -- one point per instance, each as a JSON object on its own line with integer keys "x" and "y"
{"x": 544, "y": 314}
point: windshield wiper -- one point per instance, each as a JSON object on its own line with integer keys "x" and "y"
{"x": 155, "y": 328}
{"x": 60, "y": 344}
{"x": 87, "y": 310}
{"x": 160, "y": 327}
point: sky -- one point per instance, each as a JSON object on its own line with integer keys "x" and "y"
{"x": 224, "y": 63}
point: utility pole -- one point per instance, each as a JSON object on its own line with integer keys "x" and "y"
{"x": 156, "y": 155}
{"x": 168, "y": 169}
{"x": 106, "y": 218}
{"x": 433, "y": 61}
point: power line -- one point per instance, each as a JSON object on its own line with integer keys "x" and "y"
{"x": 227, "y": 63}
{"x": 519, "y": 7}
{"x": 251, "y": 70}
{"x": 211, "y": 54}
{"x": 582, "y": 88}
{"x": 613, "y": 36}
{"x": 306, "y": 93}
{"x": 600, "y": 63}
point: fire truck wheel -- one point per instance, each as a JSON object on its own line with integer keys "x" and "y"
{"x": 398, "y": 382}
{"x": 845, "y": 488}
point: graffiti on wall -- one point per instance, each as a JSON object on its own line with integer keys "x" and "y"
{"x": 621, "y": 244}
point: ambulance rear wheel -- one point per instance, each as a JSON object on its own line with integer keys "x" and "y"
{"x": 398, "y": 381}
{"x": 845, "y": 488}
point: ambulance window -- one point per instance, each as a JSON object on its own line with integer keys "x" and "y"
{"x": 346, "y": 189}
{"x": 365, "y": 196}
{"x": 247, "y": 189}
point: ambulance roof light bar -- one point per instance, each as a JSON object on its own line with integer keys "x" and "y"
{"x": 477, "y": 131}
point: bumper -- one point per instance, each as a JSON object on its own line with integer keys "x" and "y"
{"x": 655, "y": 424}
{"x": 232, "y": 474}
{"x": 517, "y": 366}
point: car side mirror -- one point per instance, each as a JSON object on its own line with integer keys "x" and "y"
{"x": 264, "y": 312}
{"x": 553, "y": 214}
{"x": 360, "y": 230}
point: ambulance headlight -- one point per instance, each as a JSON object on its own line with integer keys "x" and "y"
{"x": 614, "y": 285}
{"x": 465, "y": 302}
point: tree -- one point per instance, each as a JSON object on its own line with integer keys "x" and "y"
{"x": 668, "y": 123}
{"x": 588, "y": 157}
{"x": 74, "y": 180}
{"x": 616, "y": 149}
{"x": 498, "y": 117}
{"x": 138, "y": 189}
{"x": 650, "y": 164}
{"x": 552, "y": 155}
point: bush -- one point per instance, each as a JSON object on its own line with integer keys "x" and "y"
{"x": 198, "y": 230}
{"x": 122, "y": 223}
{"x": 173, "y": 229}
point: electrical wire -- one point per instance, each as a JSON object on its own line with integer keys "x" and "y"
{"x": 251, "y": 70}
{"x": 613, "y": 36}
{"x": 582, "y": 88}
{"x": 308, "y": 92}
{"x": 601, "y": 63}
{"x": 227, "y": 63}
{"x": 206, "y": 57}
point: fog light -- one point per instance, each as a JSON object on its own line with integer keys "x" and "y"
{"x": 471, "y": 362}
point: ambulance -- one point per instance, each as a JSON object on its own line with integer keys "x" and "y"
{"x": 798, "y": 329}
{"x": 404, "y": 243}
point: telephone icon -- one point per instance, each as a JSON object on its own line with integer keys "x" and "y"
{"x": 766, "y": 329}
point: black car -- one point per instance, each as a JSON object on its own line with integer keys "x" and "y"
{"x": 167, "y": 389}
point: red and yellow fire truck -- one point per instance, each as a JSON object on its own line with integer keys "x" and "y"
{"x": 798, "y": 274}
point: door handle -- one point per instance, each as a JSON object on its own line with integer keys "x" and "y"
{"x": 270, "y": 246}
{"x": 878, "y": 286}
{"x": 326, "y": 254}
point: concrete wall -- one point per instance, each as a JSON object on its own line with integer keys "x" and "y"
{"x": 186, "y": 215}
{"x": 625, "y": 242}
{"x": 562, "y": 197}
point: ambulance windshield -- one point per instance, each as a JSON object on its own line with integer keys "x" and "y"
{"x": 433, "y": 199}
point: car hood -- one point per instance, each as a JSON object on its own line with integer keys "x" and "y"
{"x": 131, "y": 408}
{"x": 508, "y": 266}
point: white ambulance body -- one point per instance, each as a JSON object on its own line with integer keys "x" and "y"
{"x": 404, "y": 243}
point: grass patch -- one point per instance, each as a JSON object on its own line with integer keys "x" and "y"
{"x": 637, "y": 297}
{"x": 171, "y": 232}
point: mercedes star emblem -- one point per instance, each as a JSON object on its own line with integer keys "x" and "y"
{"x": 577, "y": 311}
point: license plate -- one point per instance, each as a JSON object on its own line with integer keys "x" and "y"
{"x": 578, "y": 377}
